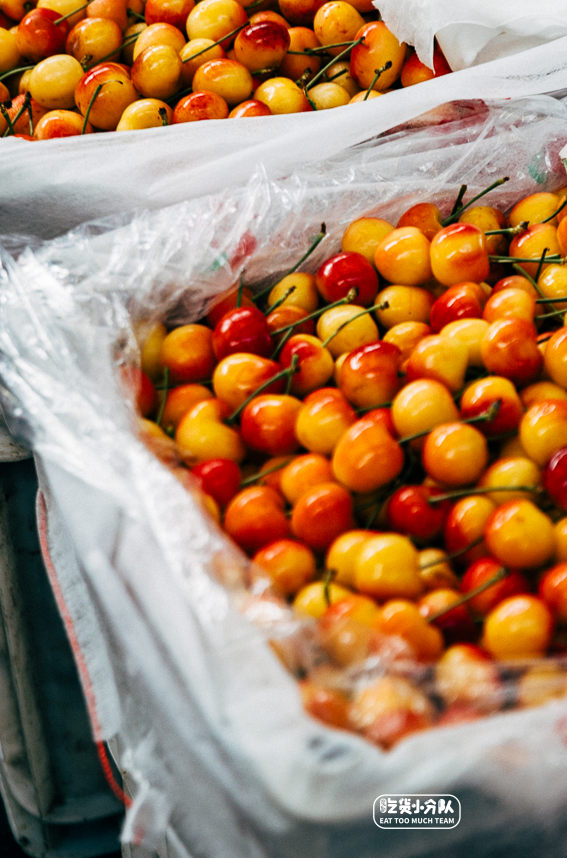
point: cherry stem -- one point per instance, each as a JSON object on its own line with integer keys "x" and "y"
{"x": 377, "y": 73}
{"x": 519, "y": 270}
{"x": 6, "y": 115}
{"x": 335, "y": 76}
{"x": 329, "y": 575}
{"x": 132, "y": 14}
{"x": 30, "y": 116}
{"x": 556, "y": 212}
{"x": 332, "y": 62}
{"x": 11, "y": 125}
{"x": 554, "y": 257}
{"x": 282, "y": 343}
{"x": 165, "y": 389}
{"x": 15, "y": 71}
{"x": 239, "y": 294}
{"x": 502, "y": 573}
{"x": 458, "y": 201}
{"x": 317, "y": 240}
{"x": 124, "y": 44}
{"x": 249, "y": 481}
{"x": 456, "y": 213}
{"x": 294, "y": 368}
{"x": 540, "y": 266}
{"x": 281, "y": 300}
{"x": 511, "y": 230}
{"x": 218, "y": 42}
{"x": 288, "y": 372}
{"x": 482, "y": 490}
{"x": 485, "y": 417}
{"x": 321, "y": 49}
{"x": 348, "y": 299}
{"x": 453, "y": 555}
{"x": 89, "y": 108}
{"x": 264, "y": 71}
{"x": 550, "y": 315}
{"x": 383, "y": 306}
{"x": 163, "y": 116}
{"x": 74, "y": 12}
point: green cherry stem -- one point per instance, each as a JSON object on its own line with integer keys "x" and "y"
{"x": 165, "y": 389}
{"x": 383, "y": 306}
{"x": 285, "y": 373}
{"x": 335, "y": 76}
{"x": 11, "y": 126}
{"x": 334, "y": 60}
{"x": 510, "y": 230}
{"x": 316, "y": 241}
{"x": 519, "y": 270}
{"x": 482, "y": 490}
{"x": 502, "y": 573}
{"x": 74, "y": 12}
{"x": 15, "y": 71}
{"x": 218, "y": 42}
{"x": 281, "y": 300}
{"x": 456, "y": 213}
{"x": 377, "y": 73}
{"x": 249, "y": 481}
{"x": 556, "y": 212}
{"x": 10, "y": 129}
{"x": 540, "y": 266}
{"x": 459, "y": 200}
{"x": 485, "y": 417}
{"x": 348, "y": 299}
{"x": 124, "y": 44}
{"x": 329, "y": 575}
{"x": 89, "y": 108}
{"x": 163, "y": 116}
{"x": 554, "y": 257}
{"x": 454, "y": 554}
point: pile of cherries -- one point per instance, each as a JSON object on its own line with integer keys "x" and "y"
{"x": 69, "y": 67}
{"x": 387, "y": 440}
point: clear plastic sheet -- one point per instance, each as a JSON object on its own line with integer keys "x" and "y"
{"x": 72, "y": 180}
{"x": 471, "y": 32}
{"x": 211, "y": 723}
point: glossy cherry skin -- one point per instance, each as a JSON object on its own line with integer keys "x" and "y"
{"x": 456, "y": 623}
{"x": 255, "y": 517}
{"x": 555, "y": 478}
{"x": 345, "y": 271}
{"x": 518, "y": 627}
{"x": 481, "y": 395}
{"x": 38, "y": 36}
{"x": 369, "y": 374}
{"x": 459, "y": 253}
{"x": 322, "y": 514}
{"x": 458, "y": 302}
{"x": 481, "y": 571}
{"x": 262, "y": 45}
{"x": 290, "y": 564}
{"x": 268, "y": 424}
{"x": 243, "y": 329}
{"x": 553, "y": 590}
{"x": 219, "y": 478}
{"x": 410, "y": 513}
{"x": 509, "y": 348}
{"x": 322, "y": 419}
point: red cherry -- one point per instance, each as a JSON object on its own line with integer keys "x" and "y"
{"x": 554, "y": 478}
{"x": 346, "y": 271}
{"x": 219, "y": 478}
{"x": 409, "y": 512}
{"x": 243, "y": 329}
{"x": 38, "y": 36}
{"x": 482, "y": 571}
{"x": 458, "y": 302}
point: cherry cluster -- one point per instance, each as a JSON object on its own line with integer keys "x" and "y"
{"x": 69, "y": 67}
{"x": 387, "y": 440}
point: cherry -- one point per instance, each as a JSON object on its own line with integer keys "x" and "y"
{"x": 455, "y": 454}
{"x": 402, "y": 257}
{"x": 519, "y": 534}
{"x": 199, "y": 106}
{"x": 345, "y": 271}
{"x": 202, "y": 434}
{"x": 466, "y": 675}
{"x": 465, "y": 526}
{"x": 188, "y": 353}
{"x": 365, "y": 234}
{"x": 255, "y": 517}
{"x": 424, "y": 216}
{"x": 389, "y": 709}
{"x": 543, "y": 429}
{"x": 304, "y": 473}
{"x": 314, "y": 362}
{"x": 518, "y": 627}
{"x": 509, "y": 348}
{"x": 180, "y": 401}
{"x": 262, "y": 45}
{"x": 484, "y": 393}
{"x": 342, "y": 555}
{"x": 326, "y": 704}
{"x": 421, "y": 405}
{"x": 323, "y": 418}
{"x": 268, "y": 424}
{"x": 367, "y": 457}
{"x": 238, "y": 375}
{"x": 369, "y": 374}
{"x": 345, "y": 629}
{"x": 387, "y": 568}
{"x": 404, "y": 618}
{"x": 41, "y": 33}
{"x": 290, "y": 564}
{"x": 554, "y": 478}
{"x": 459, "y": 253}
{"x": 409, "y": 512}
{"x": 243, "y": 329}
{"x": 320, "y": 515}
{"x": 482, "y": 571}
{"x": 454, "y": 622}
{"x": 219, "y": 478}
{"x": 457, "y": 302}
{"x": 377, "y": 47}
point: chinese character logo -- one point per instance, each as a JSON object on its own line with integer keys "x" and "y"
{"x": 414, "y": 812}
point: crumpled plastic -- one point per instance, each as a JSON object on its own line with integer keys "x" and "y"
{"x": 472, "y": 32}
{"x": 210, "y": 721}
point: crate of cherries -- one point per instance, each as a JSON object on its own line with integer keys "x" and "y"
{"x": 386, "y": 439}
{"x": 69, "y": 68}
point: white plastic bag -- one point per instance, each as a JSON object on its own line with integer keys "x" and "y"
{"x": 210, "y": 723}
{"x": 61, "y": 183}
{"x": 471, "y": 32}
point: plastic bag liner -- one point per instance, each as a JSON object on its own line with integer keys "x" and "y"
{"x": 211, "y": 723}
{"x": 471, "y": 32}
{"x": 69, "y": 181}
